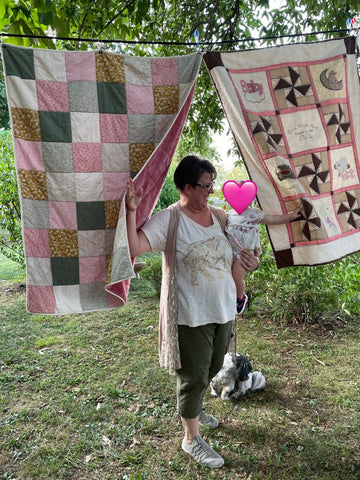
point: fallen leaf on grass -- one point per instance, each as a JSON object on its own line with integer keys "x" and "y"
{"x": 106, "y": 440}
{"x": 135, "y": 407}
{"x": 134, "y": 442}
{"x": 319, "y": 361}
{"x": 42, "y": 351}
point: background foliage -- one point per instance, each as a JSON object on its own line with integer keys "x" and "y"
{"x": 300, "y": 294}
{"x": 232, "y": 24}
{"x": 10, "y": 219}
{"x": 304, "y": 294}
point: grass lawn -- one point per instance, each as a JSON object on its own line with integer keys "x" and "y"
{"x": 10, "y": 270}
{"x": 82, "y": 398}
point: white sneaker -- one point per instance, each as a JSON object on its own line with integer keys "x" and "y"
{"x": 208, "y": 420}
{"x": 202, "y": 453}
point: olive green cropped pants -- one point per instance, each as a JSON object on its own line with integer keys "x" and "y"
{"x": 202, "y": 351}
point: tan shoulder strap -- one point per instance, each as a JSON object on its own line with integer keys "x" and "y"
{"x": 220, "y": 216}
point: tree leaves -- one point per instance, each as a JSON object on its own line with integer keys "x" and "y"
{"x": 11, "y": 242}
{"x": 173, "y": 22}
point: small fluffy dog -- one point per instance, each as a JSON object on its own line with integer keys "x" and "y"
{"x": 236, "y": 378}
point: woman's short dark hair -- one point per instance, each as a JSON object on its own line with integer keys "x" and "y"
{"x": 190, "y": 170}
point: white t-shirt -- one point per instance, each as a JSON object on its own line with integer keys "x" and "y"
{"x": 206, "y": 289}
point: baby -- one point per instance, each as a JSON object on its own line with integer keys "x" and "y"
{"x": 243, "y": 232}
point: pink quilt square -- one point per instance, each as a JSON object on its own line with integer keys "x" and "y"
{"x": 114, "y": 185}
{"x": 114, "y": 128}
{"x": 140, "y": 100}
{"x": 52, "y": 96}
{"x": 28, "y": 155}
{"x": 117, "y": 292}
{"x": 36, "y": 242}
{"x": 40, "y": 299}
{"x": 62, "y": 215}
{"x": 80, "y": 66}
{"x": 115, "y": 301}
{"x": 92, "y": 269}
{"x": 87, "y": 157}
{"x": 164, "y": 71}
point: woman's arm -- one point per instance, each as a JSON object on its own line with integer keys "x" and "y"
{"x": 138, "y": 243}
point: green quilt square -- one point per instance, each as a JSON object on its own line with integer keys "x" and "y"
{"x": 65, "y": 271}
{"x": 90, "y": 215}
{"x": 19, "y": 62}
{"x": 55, "y": 127}
{"x": 111, "y": 97}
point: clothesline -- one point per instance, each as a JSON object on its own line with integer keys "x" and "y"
{"x": 83, "y": 122}
{"x": 148, "y": 42}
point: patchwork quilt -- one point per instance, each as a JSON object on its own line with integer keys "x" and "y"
{"x": 82, "y": 123}
{"x": 294, "y": 113}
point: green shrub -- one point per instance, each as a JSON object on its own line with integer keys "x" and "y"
{"x": 152, "y": 271}
{"x": 10, "y": 218}
{"x": 169, "y": 193}
{"x": 304, "y": 294}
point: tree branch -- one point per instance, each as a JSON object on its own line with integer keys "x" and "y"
{"x": 115, "y": 17}
{"x": 80, "y": 30}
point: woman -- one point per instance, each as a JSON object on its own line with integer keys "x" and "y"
{"x": 198, "y": 294}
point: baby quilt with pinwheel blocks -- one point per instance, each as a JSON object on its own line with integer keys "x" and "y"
{"x": 294, "y": 112}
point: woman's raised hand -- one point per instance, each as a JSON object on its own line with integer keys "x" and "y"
{"x": 133, "y": 198}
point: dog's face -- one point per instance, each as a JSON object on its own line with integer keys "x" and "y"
{"x": 228, "y": 371}
{"x": 243, "y": 367}
{"x": 225, "y": 379}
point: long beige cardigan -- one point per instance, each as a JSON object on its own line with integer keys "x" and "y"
{"x": 168, "y": 326}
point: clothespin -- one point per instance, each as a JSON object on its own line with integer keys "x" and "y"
{"x": 196, "y": 36}
{"x": 353, "y": 25}
{"x": 349, "y": 25}
{"x": 353, "y": 28}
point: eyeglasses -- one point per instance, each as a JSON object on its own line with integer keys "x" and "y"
{"x": 208, "y": 186}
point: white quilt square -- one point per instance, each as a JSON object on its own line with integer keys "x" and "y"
{"x": 303, "y": 130}
{"x": 85, "y": 127}
{"x": 89, "y": 187}
{"x": 49, "y": 65}
{"x": 115, "y": 157}
{"x": 67, "y": 299}
{"x": 22, "y": 93}
{"x": 38, "y": 271}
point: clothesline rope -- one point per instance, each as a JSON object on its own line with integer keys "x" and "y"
{"x": 148, "y": 42}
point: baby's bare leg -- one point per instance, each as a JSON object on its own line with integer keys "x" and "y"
{"x": 238, "y": 273}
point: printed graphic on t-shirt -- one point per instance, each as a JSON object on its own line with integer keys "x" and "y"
{"x": 206, "y": 258}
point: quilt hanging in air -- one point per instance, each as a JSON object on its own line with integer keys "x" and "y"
{"x": 82, "y": 123}
{"x": 294, "y": 113}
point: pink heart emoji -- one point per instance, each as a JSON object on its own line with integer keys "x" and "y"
{"x": 238, "y": 196}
